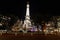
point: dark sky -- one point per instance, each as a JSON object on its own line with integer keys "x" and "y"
{"x": 38, "y": 9}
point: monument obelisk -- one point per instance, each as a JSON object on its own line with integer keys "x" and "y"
{"x": 27, "y": 21}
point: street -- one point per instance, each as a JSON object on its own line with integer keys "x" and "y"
{"x": 28, "y": 36}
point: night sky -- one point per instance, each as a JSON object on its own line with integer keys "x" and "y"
{"x": 39, "y": 10}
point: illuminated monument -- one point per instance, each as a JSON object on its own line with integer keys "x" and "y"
{"x": 27, "y": 21}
